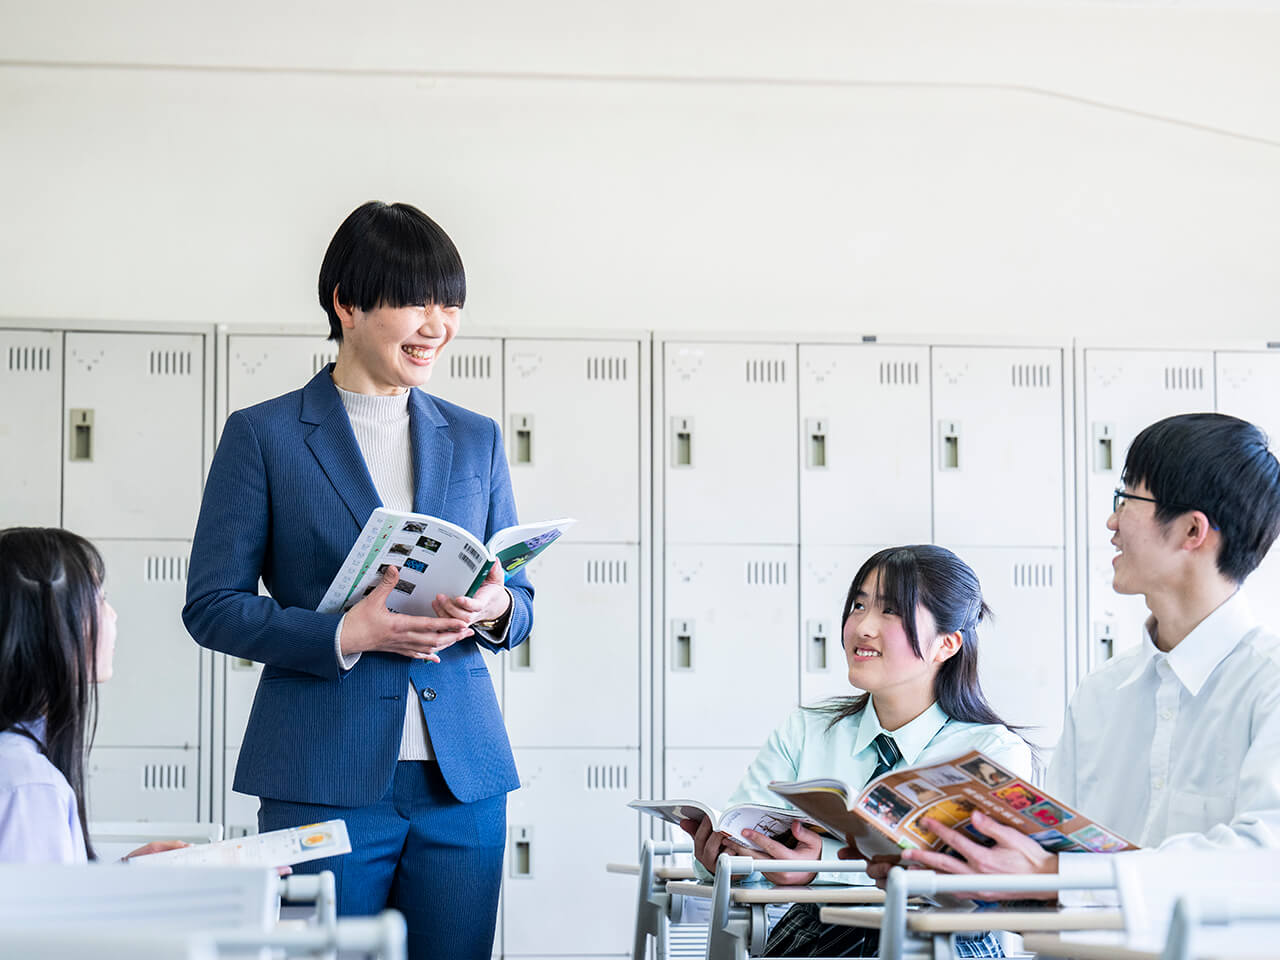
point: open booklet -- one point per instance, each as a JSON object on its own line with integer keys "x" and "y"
{"x": 276, "y": 848}
{"x": 433, "y": 556}
{"x": 773, "y": 822}
{"x": 884, "y": 817}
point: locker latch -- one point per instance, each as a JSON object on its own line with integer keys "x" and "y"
{"x": 522, "y": 851}
{"x": 816, "y": 650}
{"x": 81, "y": 435}
{"x": 682, "y": 441}
{"x": 815, "y": 431}
{"x": 681, "y": 644}
{"x": 521, "y": 438}
{"x": 948, "y": 445}
{"x": 1104, "y": 435}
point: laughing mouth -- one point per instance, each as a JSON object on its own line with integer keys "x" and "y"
{"x": 418, "y": 353}
{"x": 864, "y": 653}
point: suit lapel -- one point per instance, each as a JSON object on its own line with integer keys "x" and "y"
{"x": 335, "y": 447}
{"x": 432, "y": 453}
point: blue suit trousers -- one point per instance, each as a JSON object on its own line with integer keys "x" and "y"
{"x": 420, "y": 851}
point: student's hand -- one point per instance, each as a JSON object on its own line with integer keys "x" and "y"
{"x": 1014, "y": 852}
{"x": 879, "y": 866}
{"x": 708, "y": 844}
{"x": 155, "y": 846}
{"x": 490, "y": 602}
{"x": 808, "y": 847}
{"x": 369, "y": 625}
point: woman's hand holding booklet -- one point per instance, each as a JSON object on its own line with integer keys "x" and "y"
{"x": 772, "y": 822}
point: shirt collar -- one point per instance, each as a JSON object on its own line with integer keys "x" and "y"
{"x": 911, "y": 738}
{"x": 1200, "y": 652}
{"x": 33, "y": 727}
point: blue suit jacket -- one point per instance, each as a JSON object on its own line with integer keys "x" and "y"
{"x": 288, "y": 493}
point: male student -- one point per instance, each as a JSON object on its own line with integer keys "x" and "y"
{"x": 1175, "y": 743}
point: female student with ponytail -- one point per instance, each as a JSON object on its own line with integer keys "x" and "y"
{"x": 910, "y": 638}
{"x": 57, "y": 639}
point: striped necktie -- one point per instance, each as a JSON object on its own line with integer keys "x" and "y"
{"x": 887, "y": 753}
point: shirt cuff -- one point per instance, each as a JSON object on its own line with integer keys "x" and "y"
{"x": 344, "y": 663}
{"x": 1078, "y": 865}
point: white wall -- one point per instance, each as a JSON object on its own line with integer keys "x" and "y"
{"x": 1067, "y": 168}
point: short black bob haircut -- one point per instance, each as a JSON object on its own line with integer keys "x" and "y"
{"x": 390, "y": 255}
{"x": 1221, "y": 466}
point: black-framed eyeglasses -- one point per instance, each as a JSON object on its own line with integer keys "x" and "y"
{"x": 1120, "y": 495}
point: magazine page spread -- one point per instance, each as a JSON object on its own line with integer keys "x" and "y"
{"x": 277, "y": 848}
{"x": 432, "y": 555}
{"x": 773, "y": 822}
{"x": 893, "y": 805}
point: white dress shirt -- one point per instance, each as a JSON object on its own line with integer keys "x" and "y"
{"x": 39, "y": 822}
{"x": 803, "y": 749}
{"x": 1179, "y": 749}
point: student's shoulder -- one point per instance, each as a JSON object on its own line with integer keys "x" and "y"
{"x": 459, "y": 417}
{"x": 24, "y": 770}
{"x": 1106, "y": 678}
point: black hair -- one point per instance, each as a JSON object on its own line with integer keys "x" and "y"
{"x": 391, "y": 255}
{"x": 50, "y": 588}
{"x": 1221, "y": 466}
{"x": 935, "y": 578}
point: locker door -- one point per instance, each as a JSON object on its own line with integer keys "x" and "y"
{"x": 138, "y": 402}
{"x": 1126, "y": 391}
{"x": 573, "y": 434}
{"x": 864, "y": 444}
{"x": 262, "y": 367}
{"x": 1249, "y": 387}
{"x": 568, "y": 819}
{"x": 730, "y": 614}
{"x": 729, "y": 429}
{"x": 998, "y": 470}
{"x": 31, "y": 442}
{"x": 143, "y": 783}
{"x": 470, "y": 375}
{"x": 825, "y": 575}
{"x": 710, "y": 776}
{"x": 583, "y": 659}
{"x": 155, "y": 697}
{"x": 1022, "y": 658}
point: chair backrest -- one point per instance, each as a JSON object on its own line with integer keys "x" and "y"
{"x": 119, "y": 897}
{"x": 1150, "y": 883}
{"x": 113, "y": 839}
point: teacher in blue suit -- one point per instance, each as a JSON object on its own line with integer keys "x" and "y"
{"x": 386, "y": 721}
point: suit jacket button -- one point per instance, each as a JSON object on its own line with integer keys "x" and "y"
{"x": 428, "y": 694}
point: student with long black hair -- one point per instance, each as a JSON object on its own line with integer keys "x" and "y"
{"x": 910, "y": 637}
{"x": 57, "y": 638}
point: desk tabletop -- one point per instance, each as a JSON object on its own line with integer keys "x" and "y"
{"x": 973, "y": 921}
{"x": 661, "y": 873}
{"x": 1052, "y": 945}
{"x": 762, "y": 893}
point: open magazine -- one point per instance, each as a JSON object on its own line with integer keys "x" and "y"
{"x": 884, "y": 817}
{"x": 433, "y": 556}
{"x": 773, "y": 822}
{"x": 276, "y": 848}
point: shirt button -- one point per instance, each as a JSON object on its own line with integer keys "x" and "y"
{"x": 1166, "y": 714}
{"x": 1158, "y": 783}
{"x": 428, "y": 694}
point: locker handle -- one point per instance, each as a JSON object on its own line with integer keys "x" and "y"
{"x": 1102, "y": 630}
{"x": 522, "y": 438}
{"x": 682, "y": 645}
{"x": 1103, "y": 448}
{"x": 949, "y": 445}
{"x": 521, "y": 852}
{"x": 816, "y": 654}
{"x": 81, "y": 435}
{"x": 522, "y": 655}
{"x": 682, "y": 441}
{"x": 816, "y": 430}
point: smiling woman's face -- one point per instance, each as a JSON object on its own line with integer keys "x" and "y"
{"x": 387, "y": 350}
{"x": 877, "y": 646}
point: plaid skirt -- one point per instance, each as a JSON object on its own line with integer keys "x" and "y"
{"x": 801, "y": 934}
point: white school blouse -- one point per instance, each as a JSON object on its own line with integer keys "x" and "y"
{"x": 803, "y": 748}
{"x": 1179, "y": 749}
{"x": 39, "y": 822}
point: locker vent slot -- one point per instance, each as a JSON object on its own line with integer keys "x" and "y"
{"x": 606, "y": 368}
{"x": 322, "y": 359}
{"x": 606, "y": 571}
{"x": 470, "y": 366}
{"x": 166, "y": 569}
{"x": 168, "y": 363}
{"x": 768, "y": 573}
{"x": 30, "y": 359}
{"x": 1184, "y": 378}
{"x": 900, "y": 374}
{"x": 164, "y": 776}
{"x": 766, "y": 371}
{"x": 606, "y": 776}
{"x": 1031, "y": 375}
{"x": 1033, "y": 575}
